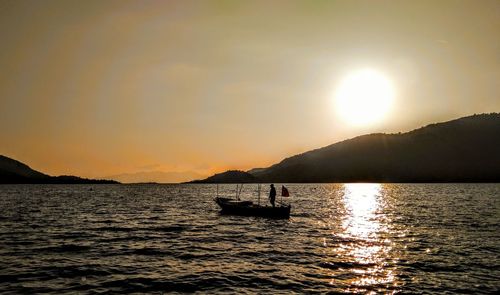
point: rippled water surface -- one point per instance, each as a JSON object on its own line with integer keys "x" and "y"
{"x": 380, "y": 238}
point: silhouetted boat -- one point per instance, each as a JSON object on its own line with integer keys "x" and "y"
{"x": 248, "y": 208}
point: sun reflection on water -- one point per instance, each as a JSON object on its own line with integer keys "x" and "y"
{"x": 364, "y": 245}
{"x": 361, "y": 201}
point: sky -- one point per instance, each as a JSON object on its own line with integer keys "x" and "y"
{"x": 190, "y": 88}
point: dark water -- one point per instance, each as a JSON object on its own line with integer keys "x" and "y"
{"x": 366, "y": 238}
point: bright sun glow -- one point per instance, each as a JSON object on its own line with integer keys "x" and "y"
{"x": 364, "y": 97}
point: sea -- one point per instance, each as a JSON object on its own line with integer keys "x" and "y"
{"x": 363, "y": 238}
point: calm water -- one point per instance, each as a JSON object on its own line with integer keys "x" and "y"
{"x": 408, "y": 238}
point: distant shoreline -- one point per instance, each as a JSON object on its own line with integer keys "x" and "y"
{"x": 464, "y": 150}
{"x": 251, "y": 183}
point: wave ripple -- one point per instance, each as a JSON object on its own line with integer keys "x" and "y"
{"x": 352, "y": 238}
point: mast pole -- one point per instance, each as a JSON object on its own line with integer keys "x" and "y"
{"x": 258, "y": 194}
{"x": 239, "y": 192}
{"x": 281, "y": 200}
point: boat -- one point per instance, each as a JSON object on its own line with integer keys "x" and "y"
{"x": 231, "y": 206}
{"x": 247, "y": 208}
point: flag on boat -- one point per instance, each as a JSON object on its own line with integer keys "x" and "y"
{"x": 284, "y": 191}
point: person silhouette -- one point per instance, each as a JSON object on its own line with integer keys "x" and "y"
{"x": 272, "y": 195}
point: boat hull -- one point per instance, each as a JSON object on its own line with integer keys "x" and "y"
{"x": 247, "y": 208}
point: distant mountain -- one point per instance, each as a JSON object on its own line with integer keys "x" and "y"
{"x": 12, "y": 171}
{"x": 462, "y": 150}
{"x": 255, "y": 170}
{"x": 231, "y": 176}
{"x": 156, "y": 176}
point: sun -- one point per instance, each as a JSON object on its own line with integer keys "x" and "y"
{"x": 364, "y": 97}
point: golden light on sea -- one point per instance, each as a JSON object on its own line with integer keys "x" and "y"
{"x": 362, "y": 225}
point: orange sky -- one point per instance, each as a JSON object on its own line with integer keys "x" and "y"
{"x": 99, "y": 88}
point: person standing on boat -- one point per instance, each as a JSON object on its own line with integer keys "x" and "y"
{"x": 272, "y": 195}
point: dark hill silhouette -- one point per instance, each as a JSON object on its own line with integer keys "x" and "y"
{"x": 12, "y": 171}
{"x": 231, "y": 176}
{"x": 10, "y": 168}
{"x": 462, "y": 150}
